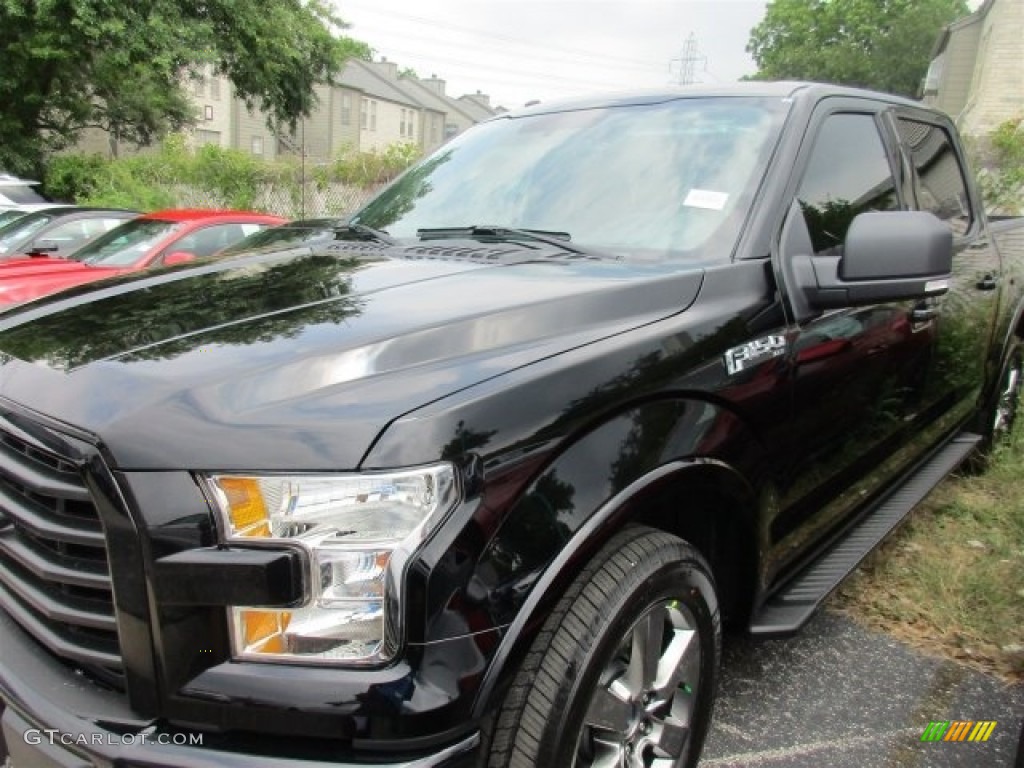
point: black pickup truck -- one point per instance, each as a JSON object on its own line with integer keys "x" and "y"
{"x": 479, "y": 480}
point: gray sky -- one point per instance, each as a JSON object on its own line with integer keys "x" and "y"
{"x": 517, "y": 50}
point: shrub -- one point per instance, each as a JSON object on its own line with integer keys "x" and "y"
{"x": 1000, "y": 156}
{"x": 367, "y": 167}
{"x": 74, "y": 177}
{"x": 211, "y": 174}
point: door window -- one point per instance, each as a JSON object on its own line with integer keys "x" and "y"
{"x": 207, "y": 241}
{"x": 848, "y": 174}
{"x": 939, "y": 182}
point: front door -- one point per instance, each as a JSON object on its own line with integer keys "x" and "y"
{"x": 858, "y": 372}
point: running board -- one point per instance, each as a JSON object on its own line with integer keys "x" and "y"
{"x": 790, "y": 607}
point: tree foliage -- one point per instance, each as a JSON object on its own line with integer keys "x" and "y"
{"x": 123, "y": 66}
{"x": 879, "y": 44}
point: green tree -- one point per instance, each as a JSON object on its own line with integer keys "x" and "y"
{"x": 878, "y": 44}
{"x": 72, "y": 64}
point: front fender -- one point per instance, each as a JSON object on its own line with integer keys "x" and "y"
{"x": 567, "y": 490}
{"x": 625, "y": 506}
{"x": 529, "y": 508}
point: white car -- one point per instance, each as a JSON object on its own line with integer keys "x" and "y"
{"x": 18, "y": 197}
{"x": 15, "y": 191}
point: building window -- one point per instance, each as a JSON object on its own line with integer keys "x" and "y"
{"x": 409, "y": 131}
{"x": 208, "y": 112}
{"x": 368, "y": 115}
{"x": 200, "y": 86}
{"x": 450, "y": 129}
{"x": 346, "y": 109}
{"x": 257, "y": 145}
{"x": 215, "y": 88}
{"x": 401, "y": 125}
{"x": 433, "y": 128}
{"x": 207, "y": 137}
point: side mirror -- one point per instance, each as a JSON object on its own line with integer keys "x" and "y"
{"x": 178, "y": 257}
{"x": 44, "y": 247}
{"x": 887, "y": 256}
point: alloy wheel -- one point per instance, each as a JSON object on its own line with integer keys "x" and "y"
{"x": 640, "y": 714}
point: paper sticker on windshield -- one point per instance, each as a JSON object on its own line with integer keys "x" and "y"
{"x": 706, "y": 198}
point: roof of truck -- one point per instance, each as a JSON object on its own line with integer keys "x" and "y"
{"x": 754, "y": 88}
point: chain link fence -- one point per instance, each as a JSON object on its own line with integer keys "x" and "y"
{"x": 308, "y": 201}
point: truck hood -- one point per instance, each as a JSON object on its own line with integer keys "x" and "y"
{"x": 299, "y": 360}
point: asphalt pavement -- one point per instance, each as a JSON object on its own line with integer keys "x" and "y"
{"x": 840, "y": 696}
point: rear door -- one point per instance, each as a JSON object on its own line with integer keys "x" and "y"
{"x": 858, "y": 372}
{"x": 966, "y": 315}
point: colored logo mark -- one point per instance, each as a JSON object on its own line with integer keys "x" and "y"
{"x": 958, "y": 730}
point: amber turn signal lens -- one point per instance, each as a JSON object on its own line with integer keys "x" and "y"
{"x": 264, "y": 630}
{"x": 246, "y": 507}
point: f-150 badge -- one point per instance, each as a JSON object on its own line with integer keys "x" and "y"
{"x": 753, "y": 352}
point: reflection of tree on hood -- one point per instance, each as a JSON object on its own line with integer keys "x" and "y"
{"x": 277, "y": 299}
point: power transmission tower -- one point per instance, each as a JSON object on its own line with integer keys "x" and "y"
{"x": 688, "y": 61}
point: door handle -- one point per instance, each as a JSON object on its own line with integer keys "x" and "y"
{"x": 923, "y": 314}
{"x": 987, "y": 283}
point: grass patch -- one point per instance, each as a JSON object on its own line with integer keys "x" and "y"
{"x": 951, "y": 580}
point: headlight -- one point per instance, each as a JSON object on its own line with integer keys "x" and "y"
{"x": 358, "y": 530}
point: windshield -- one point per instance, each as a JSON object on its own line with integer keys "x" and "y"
{"x": 126, "y": 244}
{"x": 16, "y": 232}
{"x": 650, "y": 181}
{"x": 285, "y": 236}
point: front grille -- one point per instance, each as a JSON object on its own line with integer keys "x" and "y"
{"x": 54, "y": 576}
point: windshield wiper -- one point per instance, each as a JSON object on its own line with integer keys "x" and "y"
{"x": 367, "y": 233}
{"x": 557, "y": 239}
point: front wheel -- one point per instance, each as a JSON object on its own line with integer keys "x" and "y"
{"x": 623, "y": 673}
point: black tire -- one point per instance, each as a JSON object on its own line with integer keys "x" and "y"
{"x": 644, "y": 588}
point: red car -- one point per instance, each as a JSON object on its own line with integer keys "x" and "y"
{"x": 155, "y": 240}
